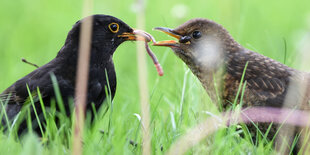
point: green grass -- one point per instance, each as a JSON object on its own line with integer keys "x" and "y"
{"x": 36, "y": 30}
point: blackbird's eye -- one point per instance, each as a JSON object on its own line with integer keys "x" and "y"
{"x": 114, "y": 27}
{"x": 196, "y": 34}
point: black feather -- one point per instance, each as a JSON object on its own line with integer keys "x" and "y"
{"x": 104, "y": 43}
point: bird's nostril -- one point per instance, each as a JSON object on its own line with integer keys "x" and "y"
{"x": 185, "y": 39}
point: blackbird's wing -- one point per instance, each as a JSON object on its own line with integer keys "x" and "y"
{"x": 17, "y": 94}
{"x": 12, "y": 102}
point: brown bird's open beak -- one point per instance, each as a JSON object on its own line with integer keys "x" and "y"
{"x": 168, "y": 43}
{"x": 137, "y": 35}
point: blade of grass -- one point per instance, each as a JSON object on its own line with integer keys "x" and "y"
{"x": 29, "y": 120}
{"x": 42, "y": 104}
{"x": 35, "y": 111}
{"x": 3, "y": 112}
{"x": 58, "y": 94}
{"x": 183, "y": 97}
{"x": 109, "y": 100}
{"x": 240, "y": 84}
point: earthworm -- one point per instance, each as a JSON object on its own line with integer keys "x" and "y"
{"x": 148, "y": 38}
{"x": 155, "y": 61}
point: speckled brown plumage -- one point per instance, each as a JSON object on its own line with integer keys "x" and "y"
{"x": 215, "y": 57}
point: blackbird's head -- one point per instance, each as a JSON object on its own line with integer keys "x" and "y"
{"x": 108, "y": 32}
{"x": 201, "y": 43}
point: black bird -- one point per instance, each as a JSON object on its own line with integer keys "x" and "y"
{"x": 219, "y": 63}
{"x": 108, "y": 33}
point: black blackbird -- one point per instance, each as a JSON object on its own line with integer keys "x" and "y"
{"x": 215, "y": 57}
{"x": 108, "y": 33}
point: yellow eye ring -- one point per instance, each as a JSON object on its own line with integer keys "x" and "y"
{"x": 114, "y": 27}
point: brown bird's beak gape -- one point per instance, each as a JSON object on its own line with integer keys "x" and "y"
{"x": 168, "y": 43}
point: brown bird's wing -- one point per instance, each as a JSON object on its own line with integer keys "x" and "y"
{"x": 267, "y": 79}
{"x": 285, "y": 89}
{"x": 266, "y": 88}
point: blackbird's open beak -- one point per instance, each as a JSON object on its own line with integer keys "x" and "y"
{"x": 137, "y": 35}
{"x": 168, "y": 43}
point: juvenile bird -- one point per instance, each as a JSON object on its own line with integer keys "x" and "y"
{"x": 108, "y": 33}
{"x": 219, "y": 63}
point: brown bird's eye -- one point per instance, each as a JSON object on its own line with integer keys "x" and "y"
{"x": 114, "y": 27}
{"x": 196, "y": 34}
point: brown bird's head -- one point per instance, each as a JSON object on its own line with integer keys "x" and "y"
{"x": 201, "y": 43}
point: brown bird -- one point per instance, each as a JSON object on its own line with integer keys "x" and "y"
{"x": 220, "y": 62}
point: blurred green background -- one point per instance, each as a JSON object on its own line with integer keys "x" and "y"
{"x": 37, "y": 29}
